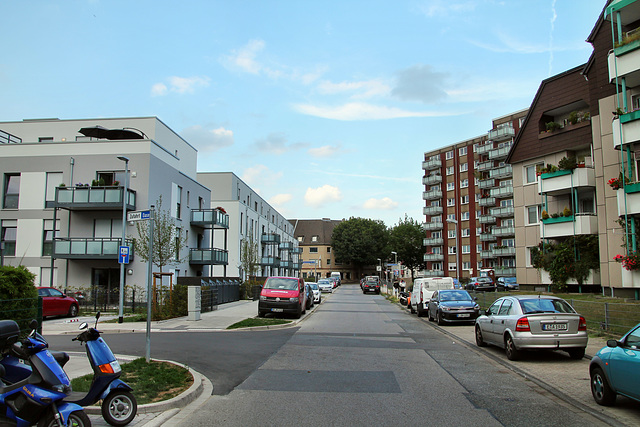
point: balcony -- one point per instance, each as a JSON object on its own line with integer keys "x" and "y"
{"x": 286, "y": 246}
{"x": 487, "y": 254}
{"x": 297, "y": 265}
{"x": 89, "y": 248}
{"x": 434, "y": 273}
{"x": 487, "y": 219}
{"x": 501, "y": 172}
{"x": 632, "y": 192}
{"x": 209, "y": 218}
{"x": 270, "y": 239}
{"x": 93, "y": 198}
{"x": 487, "y": 201}
{"x": 487, "y": 237}
{"x": 430, "y": 226}
{"x": 625, "y": 60}
{"x": 499, "y": 153}
{"x": 630, "y": 123}
{"x": 431, "y": 179}
{"x": 503, "y": 231}
{"x": 505, "y": 251}
{"x": 208, "y": 257}
{"x": 286, "y": 264}
{"x": 503, "y": 212}
{"x": 432, "y": 195}
{"x": 432, "y": 210}
{"x": 484, "y": 148}
{"x": 501, "y": 192}
{"x": 502, "y": 133}
{"x": 484, "y": 184}
{"x": 505, "y": 271}
{"x": 486, "y": 166}
{"x": 431, "y": 164}
{"x": 433, "y": 241}
{"x": 568, "y": 226}
{"x": 433, "y": 257}
{"x": 563, "y": 181}
{"x": 296, "y": 250}
{"x": 270, "y": 261}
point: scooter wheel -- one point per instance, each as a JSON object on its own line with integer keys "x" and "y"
{"x": 76, "y": 418}
{"x": 119, "y": 408}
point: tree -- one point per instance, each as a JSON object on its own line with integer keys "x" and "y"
{"x": 406, "y": 238}
{"x": 168, "y": 240}
{"x": 249, "y": 256}
{"x": 18, "y": 295}
{"x": 360, "y": 241}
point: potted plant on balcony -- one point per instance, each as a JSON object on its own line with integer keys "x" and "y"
{"x": 567, "y": 212}
{"x": 544, "y": 214}
{"x": 567, "y": 163}
{"x": 552, "y": 126}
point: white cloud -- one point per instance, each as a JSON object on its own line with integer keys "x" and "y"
{"x": 244, "y": 59}
{"x": 280, "y": 199}
{"x": 276, "y": 143}
{"x": 362, "y": 111}
{"x": 260, "y": 175}
{"x": 380, "y": 204}
{"x": 208, "y": 139}
{"x": 316, "y": 197}
{"x": 324, "y": 151}
{"x": 179, "y": 85}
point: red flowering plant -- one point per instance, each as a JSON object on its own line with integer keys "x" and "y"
{"x": 616, "y": 183}
{"x": 630, "y": 262}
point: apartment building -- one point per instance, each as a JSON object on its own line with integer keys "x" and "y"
{"x": 469, "y": 204}
{"x": 64, "y": 186}
{"x": 254, "y": 219}
{"x": 575, "y": 166}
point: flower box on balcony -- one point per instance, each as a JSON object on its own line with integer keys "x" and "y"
{"x": 627, "y": 47}
{"x": 555, "y": 174}
{"x": 632, "y": 188}
{"x": 557, "y": 220}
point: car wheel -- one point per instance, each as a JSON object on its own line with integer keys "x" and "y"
{"x": 411, "y": 309}
{"x": 429, "y": 316}
{"x": 600, "y": 389}
{"x": 298, "y": 313}
{"x": 510, "y": 349}
{"x": 440, "y": 318}
{"x": 576, "y": 353}
{"x": 73, "y": 310}
{"x": 419, "y": 312}
{"x": 479, "y": 340}
{"x": 261, "y": 313}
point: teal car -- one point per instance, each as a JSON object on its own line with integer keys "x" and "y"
{"x": 615, "y": 369}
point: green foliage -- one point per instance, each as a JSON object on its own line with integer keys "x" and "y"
{"x": 406, "y": 239}
{"x": 253, "y": 322}
{"x": 18, "y": 295}
{"x": 249, "y": 256}
{"x": 567, "y": 163}
{"x": 360, "y": 241}
{"x": 248, "y": 287}
{"x": 172, "y": 303}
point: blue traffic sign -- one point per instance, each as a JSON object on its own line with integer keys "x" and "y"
{"x": 123, "y": 255}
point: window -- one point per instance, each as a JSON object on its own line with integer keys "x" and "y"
{"x": 9, "y": 234}
{"x": 11, "y": 190}
{"x": 450, "y": 170}
{"x": 532, "y": 215}
{"x": 462, "y": 151}
{"x": 452, "y": 266}
{"x": 241, "y": 215}
{"x": 466, "y": 249}
{"x": 466, "y": 232}
{"x": 475, "y": 147}
{"x": 465, "y": 216}
{"x": 47, "y": 238}
{"x": 478, "y": 214}
{"x": 451, "y": 186}
{"x": 45, "y": 138}
{"x": 466, "y": 265}
{"x": 328, "y": 249}
{"x": 464, "y": 200}
{"x": 506, "y": 203}
{"x": 464, "y": 183}
{"x": 530, "y": 175}
{"x": 436, "y": 250}
{"x": 54, "y": 179}
{"x": 452, "y": 250}
{"x": 451, "y": 216}
{"x": 314, "y": 238}
{"x": 300, "y": 239}
{"x": 510, "y": 243}
{"x": 452, "y": 234}
{"x": 436, "y": 234}
{"x": 449, "y": 155}
{"x": 451, "y": 201}
{"x": 436, "y": 266}
{"x": 478, "y": 248}
{"x": 178, "y": 202}
{"x": 313, "y": 250}
{"x": 464, "y": 167}
{"x": 328, "y": 261}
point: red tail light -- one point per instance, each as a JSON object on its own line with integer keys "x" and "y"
{"x": 523, "y": 325}
{"x": 582, "y": 326}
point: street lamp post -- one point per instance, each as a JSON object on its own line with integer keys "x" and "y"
{"x": 395, "y": 262}
{"x": 124, "y": 231}
{"x": 455, "y": 223}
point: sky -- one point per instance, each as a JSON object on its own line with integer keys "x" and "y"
{"x": 325, "y": 108}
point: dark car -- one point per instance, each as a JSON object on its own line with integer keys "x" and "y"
{"x": 481, "y": 284}
{"x": 371, "y": 286}
{"x": 56, "y": 303}
{"x": 453, "y": 305}
{"x": 615, "y": 369}
{"x": 507, "y": 284}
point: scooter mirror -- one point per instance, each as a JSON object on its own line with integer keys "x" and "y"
{"x": 97, "y": 315}
{"x": 83, "y": 325}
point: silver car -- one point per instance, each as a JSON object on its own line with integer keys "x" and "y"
{"x": 317, "y": 297}
{"x": 325, "y": 285}
{"x": 532, "y": 322}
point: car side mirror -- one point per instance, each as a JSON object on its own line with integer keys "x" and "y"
{"x": 613, "y": 343}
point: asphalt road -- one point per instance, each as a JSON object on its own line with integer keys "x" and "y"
{"x": 359, "y": 360}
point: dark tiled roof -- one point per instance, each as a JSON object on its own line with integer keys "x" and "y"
{"x": 307, "y": 228}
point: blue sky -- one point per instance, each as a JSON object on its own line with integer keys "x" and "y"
{"x": 325, "y": 108}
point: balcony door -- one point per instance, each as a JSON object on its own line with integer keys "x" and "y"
{"x": 106, "y": 286}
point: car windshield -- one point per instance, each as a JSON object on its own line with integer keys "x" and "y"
{"x": 281, "y": 283}
{"x": 509, "y": 280}
{"x": 455, "y": 296}
{"x": 484, "y": 279}
{"x": 314, "y": 286}
{"x": 324, "y": 282}
{"x": 545, "y": 305}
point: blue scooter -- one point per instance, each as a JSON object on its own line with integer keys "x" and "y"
{"x": 33, "y": 383}
{"x": 119, "y": 406}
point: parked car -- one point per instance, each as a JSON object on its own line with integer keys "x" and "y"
{"x": 507, "y": 284}
{"x": 481, "y": 284}
{"x": 310, "y": 299}
{"x": 334, "y": 281}
{"x": 325, "y": 285}
{"x": 452, "y": 305}
{"x": 532, "y": 322}
{"x": 283, "y": 295}
{"x": 423, "y": 288}
{"x": 615, "y": 369}
{"x": 56, "y": 303}
{"x": 317, "y": 295}
{"x": 371, "y": 286}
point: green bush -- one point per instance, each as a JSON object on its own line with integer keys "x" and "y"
{"x": 18, "y": 295}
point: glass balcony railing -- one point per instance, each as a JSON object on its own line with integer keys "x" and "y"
{"x": 485, "y": 148}
{"x": 506, "y": 251}
{"x": 432, "y": 195}
{"x": 503, "y": 231}
{"x": 286, "y": 246}
{"x": 501, "y": 192}
{"x": 486, "y": 166}
{"x": 484, "y": 184}
{"x": 93, "y": 198}
{"x": 286, "y": 264}
{"x": 209, "y": 218}
{"x": 208, "y": 257}
{"x": 432, "y": 210}
{"x": 487, "y": 201}
{"x": 502, "y": 133}
{"x": 431, "y": 164}
{"x": 270, "y": 261}
{"x": 434, "y": 273}
{"x": 433, "y": 257}
{"x": 503, "y": 212}
{"x": 431, "y": 179}
{"x": 487, "y": 237}
{"x": 499, "y": 153}
{"x": 270, "y": 239}
{"x": 429, "y": 226}
{"x": 501, "y": 172}
{"x": 433, "y": 241}
{"x": 89, "y": 248}
{"x": 487, "y": 219}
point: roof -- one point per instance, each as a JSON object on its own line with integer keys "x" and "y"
{"x": 307, "y": 228}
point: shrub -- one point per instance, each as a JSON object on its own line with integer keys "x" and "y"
{"x": 18, "y": 295}
{"x": 567, "y": 163}
{"x": 567, "y": 212}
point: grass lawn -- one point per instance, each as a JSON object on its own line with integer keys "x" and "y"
{"x": 253, "y": 321}
{"x": 151, "y": 382}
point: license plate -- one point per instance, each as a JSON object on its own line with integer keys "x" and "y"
{"x": 464, "y": 315}
{"x": 277, "y": 310}
{"x": 554, "y": 327}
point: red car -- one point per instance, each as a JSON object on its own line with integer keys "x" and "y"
{"x": 55, "y": 303}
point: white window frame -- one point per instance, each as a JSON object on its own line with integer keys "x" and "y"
{"x": 448, "y": 155}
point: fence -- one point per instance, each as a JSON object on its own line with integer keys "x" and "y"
{"x": 22, "y": 311}
{"x": 108, "y": 299}
{"x": 218, "y": 291}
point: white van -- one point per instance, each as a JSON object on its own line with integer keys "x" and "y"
{"x": 423, "y": 288}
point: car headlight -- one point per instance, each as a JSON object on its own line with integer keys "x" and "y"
{"x": 294, "y": 299}
{"x": 476, "y": 307}
{"x": 445, "y": 308}
{"x": 263, "y": 298}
